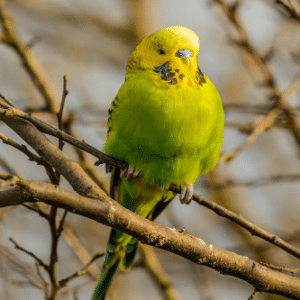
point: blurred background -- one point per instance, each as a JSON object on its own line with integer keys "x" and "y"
{"x": 251, "y": 53}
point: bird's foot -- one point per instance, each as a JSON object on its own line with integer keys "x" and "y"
{"x": 186, "y": 194}
{"x": 129, "y": 173}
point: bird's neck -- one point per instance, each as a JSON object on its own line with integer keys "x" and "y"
{"x": 171, "y": 74}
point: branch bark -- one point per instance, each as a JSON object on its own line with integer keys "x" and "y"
{"x": 36, "y": 138}
{"x": 111, "y": 213}
{"x": 70, "y": 169}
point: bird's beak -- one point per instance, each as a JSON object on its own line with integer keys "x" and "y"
{"x": 186, "y": 60}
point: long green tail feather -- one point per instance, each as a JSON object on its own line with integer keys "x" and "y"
{"x": 121, "y": 250}
{"x": 104, "y": 281}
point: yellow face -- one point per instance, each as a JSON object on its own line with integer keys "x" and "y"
{"x": 171, "y": 52}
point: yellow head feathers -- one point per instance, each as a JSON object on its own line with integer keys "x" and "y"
{"x": 177, "y": 45}
{"x": 178, "y": 36}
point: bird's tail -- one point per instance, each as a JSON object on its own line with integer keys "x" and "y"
{"x": 104, "y": 281}
{"x": 121, "y": 250}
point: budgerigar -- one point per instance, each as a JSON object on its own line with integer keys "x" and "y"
{"x": 166, "y": 123}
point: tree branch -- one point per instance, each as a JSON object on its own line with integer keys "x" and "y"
{"x": 70, "y": 169}
{"x": 36, "y": 137}
{"x": 81, "y": 272}
{"x": 249, "y": 226}
{"x": 264, "y": 77}
{"x": 38, "y": 260}
{"x": 259, "y": 127}
{"x": 151, "y": 264}
{"x": 29, "y": 61}
{"x": 110, "y": 213}
{"x": 44, "y": 127}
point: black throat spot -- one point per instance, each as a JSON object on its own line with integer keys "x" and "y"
{"x": 166, "y": 74}
{"x": 200, "y": 77}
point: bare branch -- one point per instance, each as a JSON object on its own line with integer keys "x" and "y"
{"x": 257, "y": 62}
{"x": 62, "y": 105}
{"x": 38, "y": 211}
{"x": 260, "y": 126}
{"x": 254, "y": 295}
{"x": 30, "y": 62}
{"x": 55, "y": 286}
{"x": 45, "y": 284}
{"x": 295, "y": 86}
{"x": 39, "y": 79}
{"x": 281, "y": 269}
{"x": 48, "y": 129}
{"x": 260, "y": 181}
{"x": 81, "y": 272}
{"x": 292, "y": 10}
{"x": 113, "y": 214}
{"x": 38, "y": 260}
{"x": 4, "y": 164}
{"x": 13, "y": 196}
{"x": 21, "y": 148}
{"x": 73, "y": 242}
{"x": 151, "y": 263}
{"x": 269, "y": 237}
{"x": 56, "y": 158}
{"x": 249, "y": 226}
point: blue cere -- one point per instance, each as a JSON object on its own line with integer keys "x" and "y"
{"x": 184, "y": 53}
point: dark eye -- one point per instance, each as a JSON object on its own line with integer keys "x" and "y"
{"x": 161, "y": 51}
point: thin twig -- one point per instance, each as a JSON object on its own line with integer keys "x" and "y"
{"x": 61, "y": 223}
{"x": 281, "y": 269}
{"x": 38, "y": 211}
{"x": 294, "y": 87}
{"x": 9, "y": 102}
{"x": 265, "y": 77}
{"x": 260, "y": 126}
{"x": 81, "y": 272}
{"x": 22, "y": 148}
{"x": 249, "y": 226}
{"x": 30, "y": 63}
{"x": 37, "y": 74}
{"x": 51, "y": 130}
{"x": 31, "y": 155}
{"x": 73, "y": 242}
{"x": 151, "y": 264}
{"x": 269, "y": 237}
{"x": 254, "y": 295}
{"x": 61, "y": 145}
{"x": 55, "y": 286}
{"x": 9, "y": 169}
{"x": 60, "y": 113}
{"x": 290, "y": 11}
{"x": 45, "y": 284}
{"x": 258, "y": 182}
{"x": 38, "y": 260}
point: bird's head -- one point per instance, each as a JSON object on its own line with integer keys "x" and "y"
{"x": 172, "y": 52}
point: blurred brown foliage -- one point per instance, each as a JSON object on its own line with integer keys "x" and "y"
{"x": 250, "y": 50}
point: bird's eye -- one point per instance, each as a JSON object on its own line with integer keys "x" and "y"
{"x": 184, "y": 53}
{"x": 161, "y": 51}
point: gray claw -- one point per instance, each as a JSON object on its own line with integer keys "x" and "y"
{"x": 129, "y": 172}
{"x": 186, "y": 194}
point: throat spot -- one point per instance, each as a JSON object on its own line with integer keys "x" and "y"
{"x": 166, "y": 73}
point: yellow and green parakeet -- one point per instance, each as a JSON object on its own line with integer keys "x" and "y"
{"x": 166, "y": 123}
